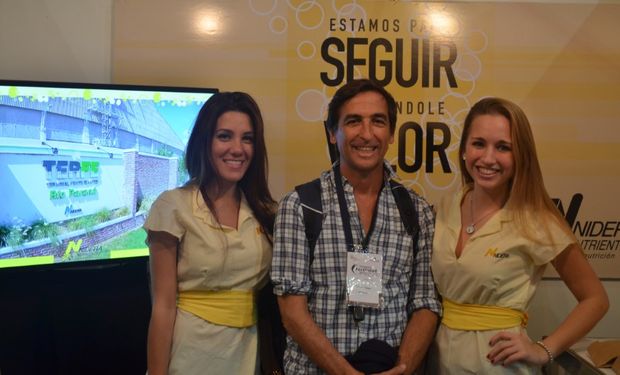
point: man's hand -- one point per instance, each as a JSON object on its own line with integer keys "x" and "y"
{"x": 398, "y": 370}
{"x": 416, "y": 340}
{"x": 312, "y": 340}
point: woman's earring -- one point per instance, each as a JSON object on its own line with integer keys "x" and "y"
{"x": 463, "y": 156}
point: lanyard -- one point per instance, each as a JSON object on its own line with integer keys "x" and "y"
{"x": 346, "y": 218}
{"x": 358, "y": 311}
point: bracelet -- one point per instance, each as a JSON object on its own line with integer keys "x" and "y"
{"x": 542, "y": 345}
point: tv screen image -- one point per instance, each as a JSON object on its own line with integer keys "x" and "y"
{"x": 80, "y": 165}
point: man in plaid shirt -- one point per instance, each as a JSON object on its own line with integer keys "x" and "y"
{"x": 312, "y": 284}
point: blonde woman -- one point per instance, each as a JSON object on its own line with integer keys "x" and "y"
{"x": 491, "y": 245}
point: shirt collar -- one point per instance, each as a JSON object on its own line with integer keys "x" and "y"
{"x": 202, "y": 211}
{"x": 388, "y": 174}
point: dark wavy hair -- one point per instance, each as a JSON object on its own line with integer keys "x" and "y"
{"x": 351, "y": 89}
{"x": 198, "y": 154}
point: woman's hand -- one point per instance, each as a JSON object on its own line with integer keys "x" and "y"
{"x": 508, "y": 348}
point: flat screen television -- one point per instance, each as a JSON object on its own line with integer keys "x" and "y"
{"x": 80, "y": 165}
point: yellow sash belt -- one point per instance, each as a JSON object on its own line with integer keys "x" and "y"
{"x": 232, "y": 308}
{"x": 469, "y": 317}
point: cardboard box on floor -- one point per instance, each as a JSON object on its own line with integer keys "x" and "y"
{"x": 606, "y": 354}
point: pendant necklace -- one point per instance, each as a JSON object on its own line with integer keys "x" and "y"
{"x": 471, "y": 228}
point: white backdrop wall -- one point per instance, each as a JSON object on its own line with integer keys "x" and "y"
{"x": 70, "y": 40}
{"x": 56, "y": 40}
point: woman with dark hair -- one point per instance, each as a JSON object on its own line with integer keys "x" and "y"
{"x": 210, "y": 246}
{"x": 492, "y": 242}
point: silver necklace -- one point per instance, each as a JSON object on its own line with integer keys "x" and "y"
{"x": 471, "y": 228}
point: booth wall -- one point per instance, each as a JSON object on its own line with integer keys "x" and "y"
{"x": 69, "y": 40}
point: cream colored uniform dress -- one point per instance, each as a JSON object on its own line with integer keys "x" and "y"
{"x": 497, "y": 267}
{"x": 211, "y": 257}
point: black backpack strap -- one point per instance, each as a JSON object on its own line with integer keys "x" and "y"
{"x": 408, "y": 213}
{"x": 310, "y": 199}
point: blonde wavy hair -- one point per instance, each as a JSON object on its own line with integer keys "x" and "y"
{"x": 528, "y": 200}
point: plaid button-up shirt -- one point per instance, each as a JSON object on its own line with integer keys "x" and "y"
{"x": 407, "y": 281}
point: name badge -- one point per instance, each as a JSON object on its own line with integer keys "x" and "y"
{"x": 364, "y": 279}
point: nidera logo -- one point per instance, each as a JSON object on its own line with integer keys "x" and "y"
{"x": 492, "y": 252}
{"x": 573, "y": 208}
{"x": 72, "y": 246}
{"x": 598, "y": 237}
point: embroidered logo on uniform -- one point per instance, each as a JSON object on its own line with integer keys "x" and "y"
{"x": 492, "y": 252}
